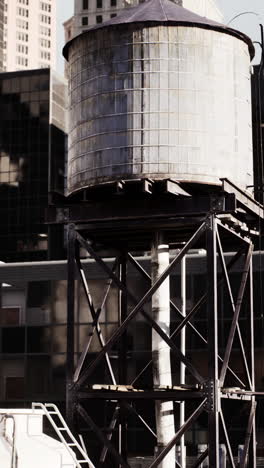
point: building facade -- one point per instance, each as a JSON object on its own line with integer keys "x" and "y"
{"x": 33, "y": 342}
{"x": 29, "y": 34}
{"x": 90, "y": 12}
{"x": 32, "y": 160}
{"x": 68, "y": 29}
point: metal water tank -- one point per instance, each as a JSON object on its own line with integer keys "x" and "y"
{"x": 159, "y": 92}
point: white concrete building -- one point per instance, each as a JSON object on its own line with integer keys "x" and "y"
{"x": 23, "y": 443}
{"x": 29, "y": 34}
{"x": 90, "y": 12}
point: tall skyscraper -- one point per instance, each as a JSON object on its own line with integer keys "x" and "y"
{"x": 90, "y": 12}
{"x": 29, "y": 34}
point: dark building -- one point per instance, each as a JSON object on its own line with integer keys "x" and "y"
{"x": 33, "y": 341}
{"x": 32, "y": 161}
{"x": 2, "y": 6}
{"x": 257, "y": 83}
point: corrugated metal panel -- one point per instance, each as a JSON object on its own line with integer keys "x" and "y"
{"x": 159, "y": 102}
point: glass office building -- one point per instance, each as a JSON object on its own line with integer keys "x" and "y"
{"x": 32, "y": 161}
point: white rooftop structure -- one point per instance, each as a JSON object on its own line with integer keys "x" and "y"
{"x": 23, "y": 443}
{"x": 22, "y": 437}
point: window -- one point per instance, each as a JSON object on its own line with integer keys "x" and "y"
{"x": 20, "y": 36}
{"x": 22, "y": 61}
{"x": 45, "y": 19}
{"x": 45, "y": 31}
{"x": 23, "y": 49}
{"x": 112, "y": 15}
{"x": 22, "y": 11}
{"x": 99, "y": 19}
{"x": 113, "y": 3}
{"x": 22, "y": 24}
{"x": 45, "y": 43}
{"x": 45, "y": 7}
{"x": 14, "y": 387}
{"x": 99, "y": 3}
{"x": 10, "y": 316}
{"x": 13, "y": 340}
{"x": 85, "y": 4}
{"x": 84, "y": 20}
{"x": 44, "y": 55}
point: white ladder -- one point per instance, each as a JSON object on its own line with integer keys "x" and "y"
{"x": 51, "y": 411}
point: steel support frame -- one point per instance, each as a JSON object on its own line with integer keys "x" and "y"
{"x": 209, "y": 388}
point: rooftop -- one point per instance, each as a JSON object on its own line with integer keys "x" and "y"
{"x": 164, "y": 12}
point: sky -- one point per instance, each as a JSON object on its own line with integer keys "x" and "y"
{"x": 248, "y": 23}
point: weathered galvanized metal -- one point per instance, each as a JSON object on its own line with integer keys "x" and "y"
{"x": 159, "y": 98}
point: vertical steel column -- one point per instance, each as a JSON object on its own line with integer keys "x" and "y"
{"x": 1, "y": 331}
{"x": 252, "y": 448}
{"x": 213, "y": 383}
{"x": 182, "y": 366}
{"x": 122, "y": 361}
{"x": 70, "y": 322}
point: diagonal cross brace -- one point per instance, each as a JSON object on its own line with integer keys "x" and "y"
{"x": 202, "y": 300}
{"x": 186, "y": 321}
{"x": 228, "y": 446}
{"x": 96, "y": 325}
{"x": 236, "y": 311}
{"x": 250, "y": 425}
{"x": 101, "y": 340}
{"x": 109, "y": 434}
{"x": 120, "y": 461}
{"x": 141, "y": 303}
{"x": 173, "y": 347}
{"x": 202, "y": 457}
{"x": 178, "y": 435}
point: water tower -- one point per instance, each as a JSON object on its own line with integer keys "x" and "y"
{"x": 160, "y": 157}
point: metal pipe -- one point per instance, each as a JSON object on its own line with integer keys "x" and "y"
{"x": 160, "y": 350}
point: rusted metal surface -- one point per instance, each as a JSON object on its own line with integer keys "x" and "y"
{"x": 159, "y": 102}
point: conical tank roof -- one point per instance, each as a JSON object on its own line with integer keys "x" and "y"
{"x": 164, "y": 12}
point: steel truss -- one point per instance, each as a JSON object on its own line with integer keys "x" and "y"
{"x": 209, "y": 393}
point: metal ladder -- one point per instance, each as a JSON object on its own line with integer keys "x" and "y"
{"x": 51, "y": 411}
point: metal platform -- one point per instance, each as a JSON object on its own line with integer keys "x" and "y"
{"x": 127, "y": 217}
